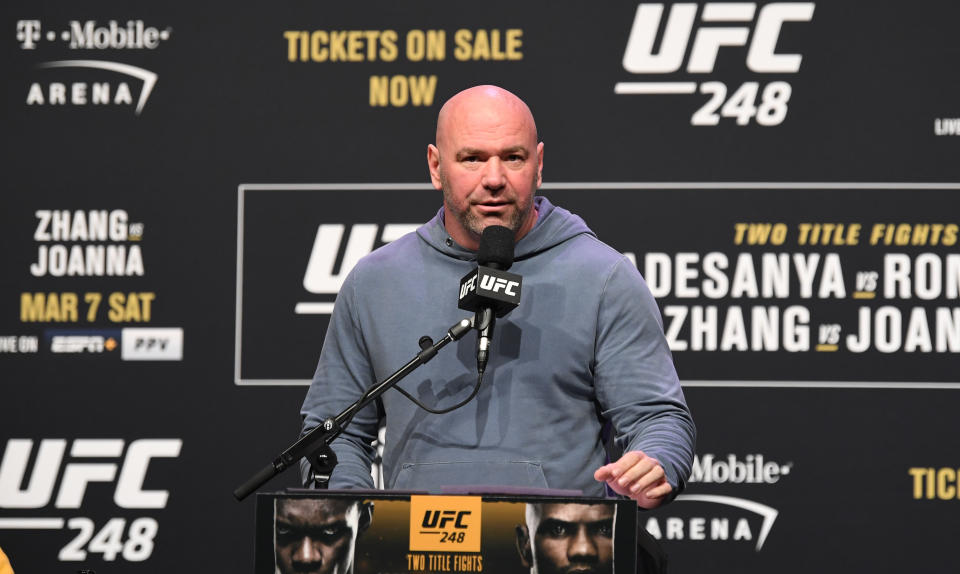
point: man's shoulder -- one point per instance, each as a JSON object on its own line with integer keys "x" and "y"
{"x": 398, "y": 254}
{"x": 405, "y": 259}
{"x": 565, "y": 236}
{"x": 592, "y": 253}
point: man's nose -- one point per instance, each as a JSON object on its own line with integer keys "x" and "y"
{"x": 307, "y": 552}
{"x": 581, "y": 545}
{"x": 494, "y": 175}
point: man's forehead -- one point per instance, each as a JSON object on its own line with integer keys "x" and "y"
{"x": 576, "y": 512}
{"x": 485, "y": 112}
{"x": 314, "y": 510}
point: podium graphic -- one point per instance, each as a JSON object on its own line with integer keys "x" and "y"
{"x": 385, "y": 532}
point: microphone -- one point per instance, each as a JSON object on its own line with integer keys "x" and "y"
{"x": 489, "y": 290}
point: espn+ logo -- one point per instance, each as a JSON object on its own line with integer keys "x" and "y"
{"x": 743, "y": 26}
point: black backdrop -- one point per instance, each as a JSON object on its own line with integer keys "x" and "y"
{"x": 813, "y": 451}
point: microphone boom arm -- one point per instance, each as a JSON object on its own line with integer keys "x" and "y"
{"x": 315, "y": 445}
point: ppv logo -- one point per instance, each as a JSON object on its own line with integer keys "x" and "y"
{"x": 152, "y": 344}
{"x": 324, "y": 276}
{"x": 761, "y": 56}
{"x": 445, "y": 523}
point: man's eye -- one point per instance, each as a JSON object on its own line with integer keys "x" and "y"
{"x": 557, "y": 530}
{"x": 605, "y": 529}
{"x": 329, "y": 534}
{"x": 515, "y": 158}
{"x": 470, "y": 159}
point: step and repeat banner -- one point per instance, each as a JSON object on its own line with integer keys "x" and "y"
{"x": 186, "y": 187}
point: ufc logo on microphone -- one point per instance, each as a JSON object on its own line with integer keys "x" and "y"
{"x": 495, "y": 284}
{"x": 469, "y": 286}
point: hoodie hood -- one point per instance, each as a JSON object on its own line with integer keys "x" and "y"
{"x": 554, "y": 226}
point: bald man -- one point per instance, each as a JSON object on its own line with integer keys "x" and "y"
{"x": 584, "y": 347}
{"x": 490, "y": 165}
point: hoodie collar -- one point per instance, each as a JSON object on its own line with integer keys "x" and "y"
{"x": 554, "y": 226}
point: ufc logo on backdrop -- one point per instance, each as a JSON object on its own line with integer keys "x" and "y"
{"x": 761, "y": 56}
{"x": 320, "y": 277}
{"x": 77, "y": 473}
{"x": 76, "y": 466}
{"x": 752, "y": 29}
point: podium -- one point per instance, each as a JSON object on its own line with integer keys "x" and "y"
{"x": 385, "y": 532}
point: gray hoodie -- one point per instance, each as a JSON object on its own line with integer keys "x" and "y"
{"x": 585, "y": 346}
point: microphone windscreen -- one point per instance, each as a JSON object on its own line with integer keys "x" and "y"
{"x": 496, "y": 247}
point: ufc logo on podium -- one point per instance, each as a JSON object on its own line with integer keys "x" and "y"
{"x": 445, "y": 523}
{"x": 440, "y": 518}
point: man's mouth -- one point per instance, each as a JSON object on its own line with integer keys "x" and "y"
{"x": 492, "y": 205}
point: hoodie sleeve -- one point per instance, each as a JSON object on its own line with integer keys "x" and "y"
{"x": 636, "y": 383}
{"x": 343, "y": 374}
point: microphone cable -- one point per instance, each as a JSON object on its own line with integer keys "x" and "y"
{"x": 476, "y": 389}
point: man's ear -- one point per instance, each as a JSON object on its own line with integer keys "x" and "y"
{"x": 523, "y": 545}
{"x": 366, "y": 516}
{"x": 539, "y": 165}
{"x": 433, "y": 163}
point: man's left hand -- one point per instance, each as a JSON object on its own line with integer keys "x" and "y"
{"x": 638, "y": 476}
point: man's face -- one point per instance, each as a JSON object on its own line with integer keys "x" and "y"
{"x": 487, "y": 162}
{"x": 570, "y": 538}
{"x": 316, "y": 536}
